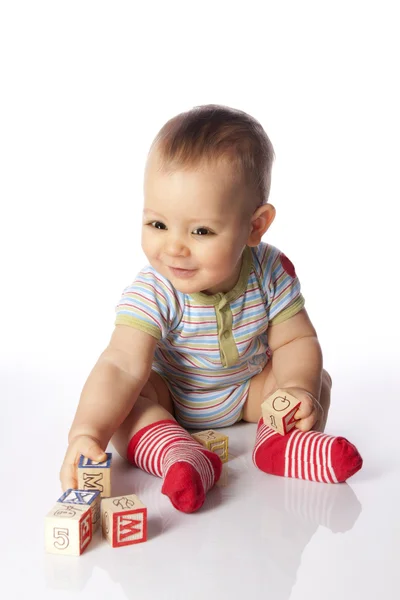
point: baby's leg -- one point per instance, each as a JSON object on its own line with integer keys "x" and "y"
{"x": 152, "y": 440}
{"x": 304, "y": 455}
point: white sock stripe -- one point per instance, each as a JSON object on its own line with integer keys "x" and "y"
{"x": 171, "y": 441}
{"x": 148, "y": 444}
{"x": 198, "y": 460}
{"x": 288, "y": 451}
{"x": 161, "y": 432}
{"x": 300, "y": 456}
{"x": 312, "y": 455}
{"x": 317, "y": 460}
{"x": 144, "y": 455}
{"x": 263, "y": 433}
{"x": 149, "y": 452}
{"x": 305, "y": 454}
{"x": 265, "y": 436}
{"x": 162, "y": 446}
{"x": 325, "y": 475}
{"x": 149, "y": 455}
{"x": 329, "y": 461}
{"x": 297, "y": 453}
{"x": 178, "y": 450}
{"x": 297, "y": 437}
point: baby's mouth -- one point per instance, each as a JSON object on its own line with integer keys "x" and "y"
{"x": 182, "y": 273}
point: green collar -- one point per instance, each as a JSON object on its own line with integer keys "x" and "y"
{"x": 222, "y": 299}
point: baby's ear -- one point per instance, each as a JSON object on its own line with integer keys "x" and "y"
{"x": 260, "y": 222}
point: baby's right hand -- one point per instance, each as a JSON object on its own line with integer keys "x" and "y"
{"x": 82, "y": 444}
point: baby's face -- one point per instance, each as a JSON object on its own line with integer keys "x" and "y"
{"x": 195, "y": 226}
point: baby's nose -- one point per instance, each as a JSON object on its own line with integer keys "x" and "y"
{"x": 175, "y": 247}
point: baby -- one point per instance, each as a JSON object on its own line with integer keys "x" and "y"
{"x": 214, "y": 325}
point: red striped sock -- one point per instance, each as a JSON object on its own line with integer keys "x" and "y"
{"x": 189, "y": 470}
{"x": 305, "y": 455}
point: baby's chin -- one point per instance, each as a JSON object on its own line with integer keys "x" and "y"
{"x": 192, "y": 285}
{"x": 187, "y": 286}
{"x": 192, "y": 289}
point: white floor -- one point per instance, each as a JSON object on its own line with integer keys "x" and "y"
{"x": 257, "y": 536}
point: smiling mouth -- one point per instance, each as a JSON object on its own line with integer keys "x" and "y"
{"x": 180, "y": 268}
{"x": 182, "y": 273}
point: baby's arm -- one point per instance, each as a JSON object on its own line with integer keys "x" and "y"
{"x": 107, "y": 397}
{"x": 297, "y": 364}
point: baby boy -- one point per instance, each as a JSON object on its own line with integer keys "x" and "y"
{"x": 214, "y": 325}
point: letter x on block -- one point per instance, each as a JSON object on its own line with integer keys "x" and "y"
{"x": 86, "y": 498}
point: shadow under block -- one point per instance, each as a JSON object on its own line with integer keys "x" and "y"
{"x": 124, "y": 520}
{"x": 88, "y": 498}
{"x": 94, "y": 475}
{"x": 278, "y": 411}
{"x": 68, "y": 529}
{"x": 213, "y": 441}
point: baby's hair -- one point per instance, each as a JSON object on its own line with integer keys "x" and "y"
{"x": 212, "y": 132}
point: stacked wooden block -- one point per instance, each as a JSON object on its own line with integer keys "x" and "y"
{"x": 77, "y": 514}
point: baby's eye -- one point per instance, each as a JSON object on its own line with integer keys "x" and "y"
{"x": 158, "y": 225}
{"x": 202, "y": 231}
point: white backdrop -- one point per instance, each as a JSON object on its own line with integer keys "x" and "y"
{"x": 84, "y": 87}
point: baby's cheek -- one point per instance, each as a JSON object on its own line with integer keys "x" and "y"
{"x": 213, "y": 256}
{"x": 145, "y": 242}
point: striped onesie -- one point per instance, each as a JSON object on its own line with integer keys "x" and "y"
{"x": 210, "y": 346}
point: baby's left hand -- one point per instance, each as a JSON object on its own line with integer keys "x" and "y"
{"x": 310, "y": 410}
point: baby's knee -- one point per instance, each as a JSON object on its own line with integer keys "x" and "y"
{"x": 326, "y": 379}
{"x": 324, "y": 401}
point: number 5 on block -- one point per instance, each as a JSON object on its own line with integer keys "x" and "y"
{"x": 278, "y": 411}
{"x": 68, "y": 529}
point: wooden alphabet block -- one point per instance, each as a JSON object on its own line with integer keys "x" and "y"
{"x": 124, "y": 520}
{"x": 216, "y": 442}
{"x": 95, "y": 475}
{"x": 68, "y": 529}
{"x": 87, "y": 498}
{"x": 278, "y": 411}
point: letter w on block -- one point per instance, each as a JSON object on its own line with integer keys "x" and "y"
{"x": 126, "y": 526}
{"x": 129, "y": 527}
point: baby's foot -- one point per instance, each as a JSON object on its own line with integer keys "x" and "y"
{"x": 189, "y": 470}
{"x": 305, "y": 455}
